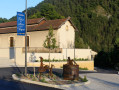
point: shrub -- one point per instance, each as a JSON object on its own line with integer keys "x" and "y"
{"x": 43, "y": 80}
{"x": 18, "y": 75}
{"x": 59, "y": 60}
{"x": 117, "y": 66}
{"x": 36, "y": 60}
{"x": 31, "y": 76}
{"x": 85, "y": 68}
{"x": 84, "y": 79}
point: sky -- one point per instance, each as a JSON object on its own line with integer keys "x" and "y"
{"x": 9, "y": 8}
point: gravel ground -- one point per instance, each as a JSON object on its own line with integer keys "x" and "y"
{"x": 6, "y": 82}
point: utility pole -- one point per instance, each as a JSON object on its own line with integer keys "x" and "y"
{"x": 26, "y": 43}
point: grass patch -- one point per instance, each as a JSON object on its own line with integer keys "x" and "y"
{"x": 43, "y": 80}
{"x": 18, "y": 75}
{"x": 83, "y": 68}
{"x": 59, "y": 60}
{"x": 84, "y": 79}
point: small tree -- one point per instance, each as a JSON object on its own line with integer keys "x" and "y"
{"x": 50, "y": 41}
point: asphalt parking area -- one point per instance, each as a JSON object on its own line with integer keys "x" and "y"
{"x": 7, "y": 83}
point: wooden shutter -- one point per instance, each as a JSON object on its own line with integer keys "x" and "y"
{"x": 11, "y": 41}
{"x": 27, "y": 41}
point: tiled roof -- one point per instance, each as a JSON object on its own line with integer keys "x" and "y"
{"x": 14, "y": 23}
{"x": 13, "y": 29}
{"x": 55, "y": 24}
{"x": 33, "y": 25}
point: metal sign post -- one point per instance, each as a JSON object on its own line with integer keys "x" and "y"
{"x": 22, "y": 30}
{"x": 26, "y": 43}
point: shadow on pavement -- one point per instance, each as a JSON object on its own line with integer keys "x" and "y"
{"x": 7, "y": 83}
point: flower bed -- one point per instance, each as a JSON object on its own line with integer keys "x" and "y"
{"x": 64, "y": 60}
{"x": 56, "y": 79}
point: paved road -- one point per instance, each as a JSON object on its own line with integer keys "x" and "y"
{"x": 104, "y": 80}
{"x": 6, "y": 82}
{"x": 101, "y": 80}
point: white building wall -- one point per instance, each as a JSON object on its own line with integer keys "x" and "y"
{"x": 19, "y": 41}
{"x": 66, "y": 37}
{"x": 79, "y": 53}
{"x": 4, "y": 53}
{"x": 36, "y": 39}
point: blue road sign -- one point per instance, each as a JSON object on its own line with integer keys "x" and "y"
{"x": 21, "y": 25}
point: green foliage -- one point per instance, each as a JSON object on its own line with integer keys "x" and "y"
{"x": 48, "y": 10}
{"x": 79, "y": 43}
{"x": 103, "y": 59}
{"x": 36, "y": 15}
{"x": 34, "y": 78}
{"x": 96, "y": 20}
{"x": 98, "y": 25}
{"x": 31, "y": 76}
{"x": 18, "y": 75}
{"x": 50, "y": 41}
{"x": 117, "y": 42}
{"x": 84, "y": 79}
{"x": 107, "y": 59}
{"x": 43, "y": 80}
{"x": 64, "y": 60}
{"x": 83, "y": 68}
{"x": 2, "y": 20}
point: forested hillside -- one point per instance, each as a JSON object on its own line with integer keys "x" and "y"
{"x": 2, "y": 20}
{"x": 96, "y": 20}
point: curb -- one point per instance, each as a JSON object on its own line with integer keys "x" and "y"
{"x": 49, "y": 85}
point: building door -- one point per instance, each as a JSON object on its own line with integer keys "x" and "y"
{"x": 11, "y": 51}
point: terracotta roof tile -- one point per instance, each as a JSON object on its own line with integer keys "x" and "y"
{"x": 14, "y": 23}
{"x": 14, "y": 29}
{"x": 33, "y": 25}
{"x": 50, "y": 23}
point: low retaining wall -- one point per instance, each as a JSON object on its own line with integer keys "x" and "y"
{"x": 79, "y": 53}
{"x": 83, "y": 64}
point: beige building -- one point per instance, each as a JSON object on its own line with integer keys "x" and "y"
{"x": 64, "y": 32}
{"x": 12, "y": 46}
{"x": 38, "y": 29}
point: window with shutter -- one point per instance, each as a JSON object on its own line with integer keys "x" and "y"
{"x": 11, "y": 41}
{"x": 27, "y": 41}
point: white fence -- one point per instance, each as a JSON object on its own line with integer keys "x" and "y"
{"x": 19, "y": 55}
{"x": 79, "y": 53}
